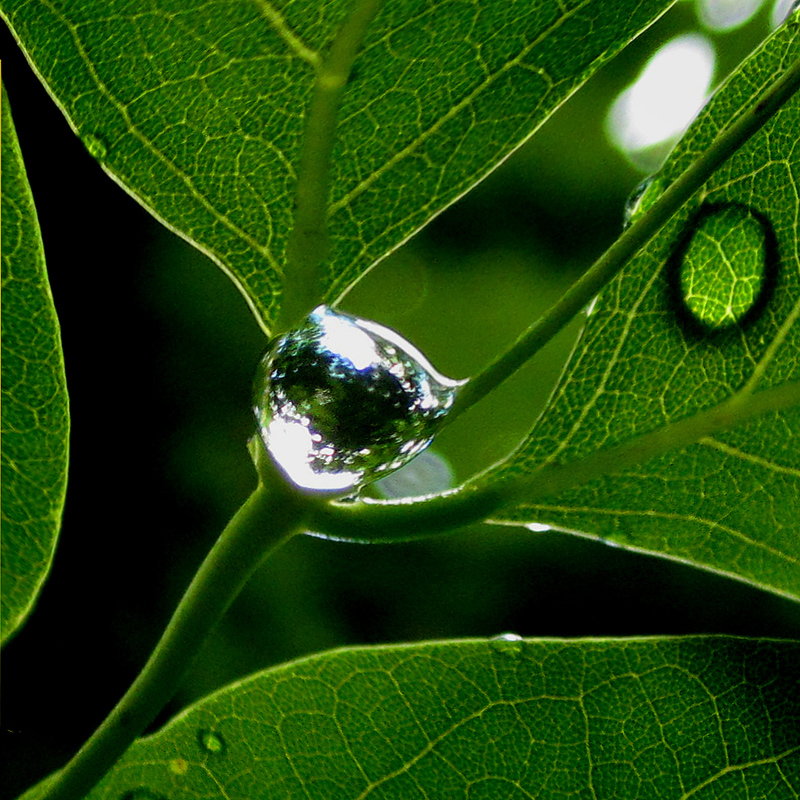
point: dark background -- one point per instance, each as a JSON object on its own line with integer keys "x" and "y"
{"x": 160, "y": 351}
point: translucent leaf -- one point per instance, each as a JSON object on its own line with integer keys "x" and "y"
{"x": 708, "y": 308}
{"x": 35, "y": 413}
{"x": 198, "y": 110}
{"x": 505, "y": 718}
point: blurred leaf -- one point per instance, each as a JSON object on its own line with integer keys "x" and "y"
{"x": 730, "y": 503}
{"x": 198, "y": 110}
{"x": 701, "y": 717}
{"x": 35, "y": 413}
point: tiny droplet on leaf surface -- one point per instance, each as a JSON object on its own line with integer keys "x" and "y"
{"x": 642, "y": 198}
{"x": 723, "y": 270}
{"x": 211, "y": 742}
{"x": 95, "y": 145}
{"x": 507, "y": 643}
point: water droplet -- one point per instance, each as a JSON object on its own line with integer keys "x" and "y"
{"x": 538, "y": 527}
{"x": 142, "y": 793}
{"x": 339, "y": 401}
{"x": 95, "y": 145}
{"x": 507, "y": 643}
{"x": 211, "y": 742}
{"x": 723, "y": 271}
{"x": 429, "y": 473}
{"x": 178, "y": 766}
{"x": 642, "y": 198}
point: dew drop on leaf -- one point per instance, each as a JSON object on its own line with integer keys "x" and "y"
{"x": 341, "y": 401}
{"x": 211, "y": 742}
{"x": 642, "y": 198}
{"x": 95, "y": 145}
{"x": 507, "y": 643}
{"x": 723, "y": 271}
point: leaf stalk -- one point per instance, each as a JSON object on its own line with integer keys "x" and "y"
{"x": 269, "y": 517}
{"x": 308, "y": 243}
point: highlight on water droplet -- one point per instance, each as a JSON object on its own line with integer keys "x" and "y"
{"x": 95, "y": 145}
{"x": 724, "y": 269}
{"x": 508, "y": 643}
{"x": 211, "y": 742}
{"x": 642, "y": 198}
{"x": 341, "y": 401}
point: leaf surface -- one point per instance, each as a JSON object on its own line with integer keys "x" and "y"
{"x": 198, "y": 109}
{"x": 673, "y": 718}
{"x": 731, "y": 502}
{"x": 35, "y": 411}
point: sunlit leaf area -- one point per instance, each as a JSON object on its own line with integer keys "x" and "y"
{"x": 161, "y": 350}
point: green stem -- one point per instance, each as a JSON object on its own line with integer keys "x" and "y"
{"x": 580, "y": 294}
{"x": 269, "y": 517}
{"x": 307, "y": 247}
{"x": 374, "y": 521}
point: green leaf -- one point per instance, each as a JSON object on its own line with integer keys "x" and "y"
{"x": 661, "y": 346}
{"x": 198, "y": 110}
{"x": 35, "y": 412}
{"x": 675, "y": 718}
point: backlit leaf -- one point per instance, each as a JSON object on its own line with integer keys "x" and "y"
{"x": 35, "y": 413}
{"x": 708, "y": 308}
{"x": 197, "y": 109}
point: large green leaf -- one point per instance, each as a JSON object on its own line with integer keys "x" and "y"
{"x": 731, "y": 502}
{"x": 640, "y": 718}
{"x": 35, "y": 413}
{"x": 197, "y": 108}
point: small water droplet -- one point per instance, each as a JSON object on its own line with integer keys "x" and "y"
{"x": 723, "y": 271}
{"x": 95, "y": 145}
{"x": 507, "y": 643}
{"x": 642, "y": 198}
{"x": 340, "y": 401}
{"x": 178, "y": 766}
{"x": 211, "y": 742}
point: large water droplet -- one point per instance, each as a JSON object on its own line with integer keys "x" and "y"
{"x": 341, "y": 401}
{"x": 95, "y": 145}
{"x": 723, "y": 271}
{"x": 642, "y": 198}
{"x": 211, "y": 742}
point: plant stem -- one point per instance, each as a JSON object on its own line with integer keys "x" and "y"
{"x": 580, "y": 294}
{"x": 307, "y": 247}
{"x": 375, "y": 521}
{"x": 270, "y": 516}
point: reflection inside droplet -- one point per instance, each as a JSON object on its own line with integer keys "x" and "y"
{"x": 211, "y": 742}
{"x": 341, "y": 400}
{"x": 95, "y": 145}
{"x": 723, "y": 271}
